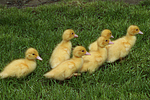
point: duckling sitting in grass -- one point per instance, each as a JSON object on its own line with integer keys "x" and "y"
{"x": 21, "y": 67}
{"x": 105, "y": 33}
{"x": 66, "y": 69}
{"x": 63, "y": 49}
{"x": 122, "y": 46}
{"x": 97, "y": 58}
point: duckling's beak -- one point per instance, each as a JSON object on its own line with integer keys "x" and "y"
{"x": 112, "y": 36}
{"x": 140, "y": 32}
{"x": 110, "y": 42}
{"x": 39, "y": 58}
{"x": 87, "y": 53}
{"x": 75, "y": 35}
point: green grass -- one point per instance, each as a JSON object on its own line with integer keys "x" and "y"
{"x": 42, "y": 27}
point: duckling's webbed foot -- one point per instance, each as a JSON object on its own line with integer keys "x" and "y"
{"x": 77, "y": 74}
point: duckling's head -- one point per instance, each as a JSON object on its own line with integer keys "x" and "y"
{"x": 32, "y": 54}
{"x": 79, "y": 51}
{"x": 103, "y": 41}
{"x": 69, "y": 34}
{"x": 133, "y": 30}
{"x": 107, "y": 33}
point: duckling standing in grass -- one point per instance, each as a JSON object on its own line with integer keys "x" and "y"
{"x": 21, "y": 67}
{"x": 97, "y": 58}
{"x": 122, "y": 46}
{"x": 105, "y": 33}
{"x": 66, "y": 69}
{"x": 63, "y": 49}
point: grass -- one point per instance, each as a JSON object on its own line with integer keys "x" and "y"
{"x": 42, "y": 27}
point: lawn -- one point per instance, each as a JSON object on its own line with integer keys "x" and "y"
{"x": 42, "y": 27}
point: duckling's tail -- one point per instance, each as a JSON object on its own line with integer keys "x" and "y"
{"x": 49, "y": 75}
{"x": 3, "y": 75}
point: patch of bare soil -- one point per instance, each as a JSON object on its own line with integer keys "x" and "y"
{"x": 129, "y": 1}
{"x": 25, "y": 3}
{"x": 34, "y": 3}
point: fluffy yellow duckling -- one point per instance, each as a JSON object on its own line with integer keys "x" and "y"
{"x": 63, "y": 49}
{"x": 97, "y": 58}
{"x": 21, "y": 67}
{"x": 105, "y": 33}
{"x": 122, "y": 46}
{"x": 67, "y": 68}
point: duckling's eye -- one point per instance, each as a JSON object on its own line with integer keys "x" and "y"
{"x": 136, "y": 29}
{"x": 82, "y": 50}
{"x": 106, "y": 40}
{"x": 109, "y": 33}
{"x": 72, "y": 33}
{"x": 33, "y": 54}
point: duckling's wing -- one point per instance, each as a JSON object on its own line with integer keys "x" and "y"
{"x": 64, "y": 54}
{"x": 71, "y": 69}
{"x": 55, "y": 62}
{"x": 127, "y": 45}
{"x": 99, "y": 58}
{"x": 23, "y": 70}
{"x": 66, "y": 50}
{"x": 86, "y": 58}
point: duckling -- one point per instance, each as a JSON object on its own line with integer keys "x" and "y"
{"x": 105, "y": 33}
{"x": 63, "y": 49}
{"x": 21, "y": 67}
{"x": 66, "y": 69}
{"x": 97, "y": 58}
{"x": 122, "y": 46}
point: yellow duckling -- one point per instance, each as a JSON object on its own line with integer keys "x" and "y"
{"x": 122, "y": 46}
{"x": 97, "y": 58}
{"x": 21, "y": 67}
{"x": 105, "y": 33}
{"x": 63, "y": 49}
{"x": 66, "y": 69}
